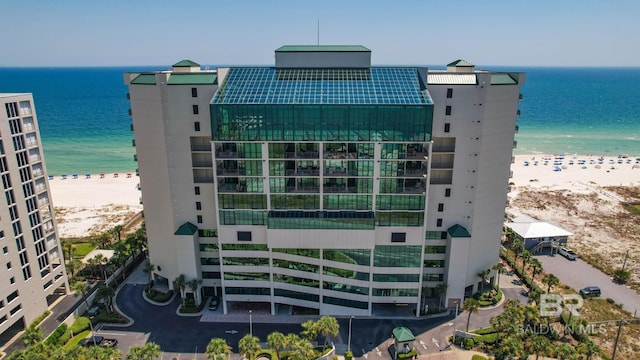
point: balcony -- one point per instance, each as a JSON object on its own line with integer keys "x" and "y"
{"x": 518, "y": 112}
{"x": 302, "y": 155}
{"x": 131, "y": 126}
{"x": 303, "y": 172}
{"x": 135, "y": 157}
{"x": 520, "y": 97}
{"x": 228, "y": 154}
{"x": 339, "y": 189}
{"x": 128, "y": 96}
{"x": 444, "y": 148}
{"x": 130, "y": 112}
{"x": 303, "y": 189}
{"x": 230, "y": 171}
{"x": 515, "y": 144}
{"x": 133, "y": 142}
{"x": 517, "y": 129}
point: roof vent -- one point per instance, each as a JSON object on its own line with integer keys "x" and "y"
{"x": 460, "y": 66}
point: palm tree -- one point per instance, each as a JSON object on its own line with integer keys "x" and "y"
{"x": 518, "y": 247}
{"x": 302, "y": 349}
{"x": 551, "y": 281}
{"x": 100, "y": 262}
{"x": 82, "y": 289}
{"x": 72, "y": 266}
{"x": 101, "y": 240}
{"x": 327, "y": 326}
{"x": 148, "y": 351}
{"x": 483, "y": 275}
{"x": 193, "y": 285}
{"x": 509, "y": 347}
{"x": 106, "y": 292}
{"x": 31, "y": 336}
{"x": 539, "y": 345}
{"x": 533, "y": 296}
{"x": 536, "y": 266}
{"x": 276, "y": 341}
{"x": 148, "y": 269}
{"x": 117, "y": 231}
{"x": 526, "y": 256}
{"x": 471, "y": 305}
{"x": 249, "y": 346}
{"x": 180, "y": 285}
{"x": 216, "y": 347}
{"x": 309, "y": 330}
{"x": 69, "y": 248}
{"x": 441, "y": 291}
{"x": 499, "y": 267}
{"x": 101, "y": 353}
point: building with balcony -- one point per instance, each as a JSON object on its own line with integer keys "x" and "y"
{"x": 31, "y": 254}
{"x": 324, "y": 182}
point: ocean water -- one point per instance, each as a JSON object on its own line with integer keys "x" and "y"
{"x": 85, "y": 126}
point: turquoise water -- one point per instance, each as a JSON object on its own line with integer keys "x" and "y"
{"x": 85, "y": 126}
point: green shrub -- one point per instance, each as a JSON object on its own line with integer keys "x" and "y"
{"x": 611, "y": 301}
{"x": 408, "y": 355}
{"x": 81, "y": 324}
{"x": 489, "y": 339}
{"x": 113, "y": 318}
{"x": 484, "y": 331}
{"x": 55, "y": 336}
{"x": 159, "y": 296}
{"x": 348, "y": 355}
{"x": 39, "y": 319}
{"x": 468, "y": 343}
{"x": 479, "y": 357}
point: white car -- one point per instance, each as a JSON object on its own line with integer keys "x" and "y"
{"x": 568, "y": 253}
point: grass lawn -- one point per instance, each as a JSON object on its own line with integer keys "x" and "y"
{"x": 82, "y": 249}
{"x": 76, "y": 339}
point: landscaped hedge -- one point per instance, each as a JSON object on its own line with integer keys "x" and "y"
{"x": 485, "y": 331}
{"x": 479, "y": 357}
{"x": 81, "y": 324}
{"x": 159, "y": 296}
{"x": 55, "y": 336}
{"x": 408, "y": 355}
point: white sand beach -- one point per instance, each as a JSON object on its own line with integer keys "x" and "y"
{"x": 88, "y": 206}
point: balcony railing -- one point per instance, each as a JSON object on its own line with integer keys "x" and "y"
{"x": 444, "y": 148}
{"x": 340, "y": 189}
{"x": 303, "y": 189}
{"x": 225, "y": 154}
{"x": 302, "y": 155}
{"x": 302, "y": 172}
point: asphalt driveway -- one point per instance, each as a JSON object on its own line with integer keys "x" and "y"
{"x": 578, "y": 274}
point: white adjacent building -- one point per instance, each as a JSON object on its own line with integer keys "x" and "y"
{"x": 32, "y": 264}
{"x": 323, "y": 182}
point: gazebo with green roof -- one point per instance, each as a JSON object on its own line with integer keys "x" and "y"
{"x": 403, "y": 340}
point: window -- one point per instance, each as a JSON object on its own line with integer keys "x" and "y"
{"x": 244, "y": 235}
{"x": 449, "y": 93}
{"x": 194, "y": 92}
{"x": 398, "y": 237}
{"x": 447, "y": 127}
{"x": 438, "y": 222}
{"x": 196, "y": 126}
{"x": 12, "y": 296}
{"x": 443, "y": 235}
{"x": 199, "y": 219}
{"x": 12, "y": 280}
{"x": 5, "y": 250}
{"x": 447, "y": 110}
{"x": 197, "y": 190}
{"x": 9, "y": 266}
{"x": 198, "y": 205}
{"x": 196, "y": 111}
{"x": 447, "y": 192}
{"x": 440, "y": 207}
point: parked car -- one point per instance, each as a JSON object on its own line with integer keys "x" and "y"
{"x": 213, "y": 304}
{"x": 97, "y": 340}
{"x": 568, "y": 253}
{"x": 590, "y": 291}
{"x": 93, "y": 311}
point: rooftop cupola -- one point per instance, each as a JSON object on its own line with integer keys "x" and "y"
{"x": 186, "y": 66}
{"x": 323, "y": 56}
{"x": 460, "y": 66}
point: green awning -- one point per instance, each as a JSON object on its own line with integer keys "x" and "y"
{"x": 458, "y": 231}
{"x": 186, "y": 229}
{"x": 144, "y": 79}
{"x": 502, "y": 79}
{"x": 192, "y": 79}
{"x": 402, "y": 334}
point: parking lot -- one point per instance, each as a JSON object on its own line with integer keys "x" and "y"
{"x": 578, "y": 274}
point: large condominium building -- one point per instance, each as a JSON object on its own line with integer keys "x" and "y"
{"x": 32, "y": 266}
{"x": 324, "y": 182}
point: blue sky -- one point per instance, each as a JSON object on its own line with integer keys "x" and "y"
{"x": 240, "y": 32}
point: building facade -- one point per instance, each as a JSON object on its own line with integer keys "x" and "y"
{"x": 33, "y": 267}
{"x": 323, "y": 182}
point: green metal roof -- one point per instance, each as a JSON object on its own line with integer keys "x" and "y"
{"x": 192, "y": 79}
{"x": 186, "y": 229}
{"x": 144, "y": 79}
{"x": 458, "y": 231}
{"x": 502, "y": 79}
{"x": 186, "y": 63}
{"x": 402, "y": 334}
{"x": 322, "y": 48}
{"x": 460, "y": 62}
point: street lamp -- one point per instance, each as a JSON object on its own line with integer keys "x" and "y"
{"x": 454, "y": 322}
{"x": 250, "y": 323}
{"x": 349, "y": 340}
